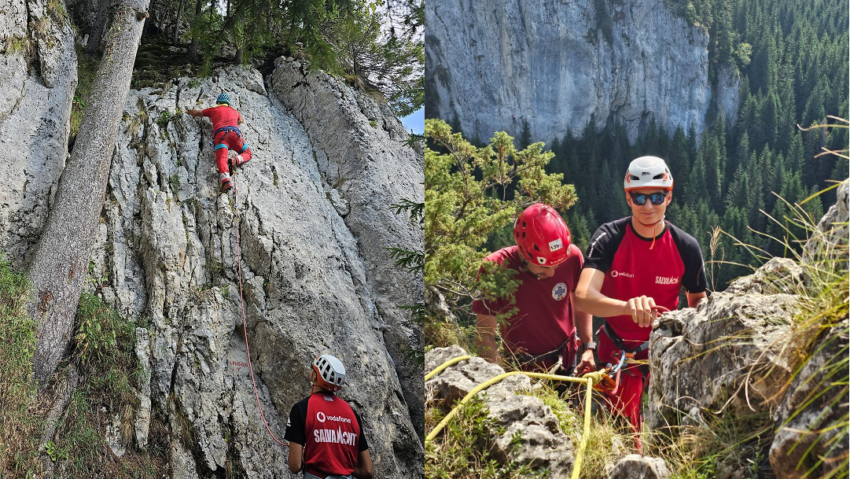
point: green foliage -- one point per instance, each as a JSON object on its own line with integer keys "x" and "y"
{"x": 464, "y": 451}
{"x": 17, "y": 389}
{"x": 96, "y": 330}
{"x": 413, "y": 261}
{"x": 359, "y": 39}
{"x": 469, "y": 193}
{"x": 86, "y": 72}
{"x": 175, "y": 183}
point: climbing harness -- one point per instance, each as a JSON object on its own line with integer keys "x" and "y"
{"x": 242, "y": 302}
{"x": 589, "y": 380}
{"x": 226, "y": 130}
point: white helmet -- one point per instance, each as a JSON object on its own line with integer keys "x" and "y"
{"x": 648, "y": 172}
{"x": 330, "y": 372}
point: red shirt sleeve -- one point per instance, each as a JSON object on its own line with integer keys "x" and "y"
{"x": 207, "y": 111}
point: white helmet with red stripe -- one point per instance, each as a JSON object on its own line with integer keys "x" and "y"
{"x": 330, "y": 372}
{"x": 648, "y": 172}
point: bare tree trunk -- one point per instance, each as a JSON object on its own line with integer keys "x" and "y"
{"x": 194, "y": 48}
{"x": 100, "y": 24}
{"x": 177, "y": 22}
{"x": 59, "y": 261}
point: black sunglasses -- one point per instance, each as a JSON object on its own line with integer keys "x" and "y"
{"x": 655, "y": 198}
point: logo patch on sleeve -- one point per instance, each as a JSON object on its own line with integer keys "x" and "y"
{"x": 559, "y": 292}
{"x": 555, "y": 245}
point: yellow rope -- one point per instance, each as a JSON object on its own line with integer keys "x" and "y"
{"x": 589, "y": 380}
{"x": 445, "y": 365}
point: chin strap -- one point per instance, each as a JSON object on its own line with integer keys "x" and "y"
{"x": 653, "y": 235}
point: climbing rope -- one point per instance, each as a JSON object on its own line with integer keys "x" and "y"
{"x": 589, "y": 380}
{"x": 242, "y": 301}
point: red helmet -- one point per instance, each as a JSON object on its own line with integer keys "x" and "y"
{"x": 542, "y": 235}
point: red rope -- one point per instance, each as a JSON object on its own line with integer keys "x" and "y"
{"x": 242, "y": 301}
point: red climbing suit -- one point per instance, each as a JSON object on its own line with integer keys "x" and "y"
{"x": 227, "y": 135}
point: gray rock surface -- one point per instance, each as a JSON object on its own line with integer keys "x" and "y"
{"x": 38, "y": 71}
{"x": 542, "y": 443}
{"x": 725, "y": 355}
{"x": 813, "y": 403}
{"x": 362, "y": 163}
{"x": 313, "y": 219}
{"x": 635, "y": 466}
{"x": 550, "y": 63}
{"x": 171, "y": 254}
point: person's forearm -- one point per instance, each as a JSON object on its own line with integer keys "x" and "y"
{"x": 361, "y": 473}
{"x": 584, "y": 326}
{"x": 595, "y": 303}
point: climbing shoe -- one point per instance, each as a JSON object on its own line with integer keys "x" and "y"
{"x": 226, "y": 184}
{"x": 234, "y": 160}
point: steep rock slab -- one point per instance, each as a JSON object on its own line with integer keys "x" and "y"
{"x": 360, "y": 152}
{"x": 38, "y": 71}
{"x": 170, "y": 254}
{"x": 542, "y": 443}
{"x": 493, "y": 64}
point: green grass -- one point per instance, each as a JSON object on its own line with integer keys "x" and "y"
{"x": 605, "y": 429}
{"x": 86, "y": 73}
{"x": 17, "y": 388}
{"x": 462, "y": 449}
{"x": 103, "y": 350}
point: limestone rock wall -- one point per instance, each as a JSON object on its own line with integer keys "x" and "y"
{"x": 493, "y": 64}
{"x": 169, "y": 250}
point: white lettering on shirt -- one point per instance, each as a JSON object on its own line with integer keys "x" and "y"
{"x": 336, "y": 436}
{"x": 663, "y": 280}
{"x": 615, "y": 273}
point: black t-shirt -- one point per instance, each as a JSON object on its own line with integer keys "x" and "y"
{"x": 297, "y": 425}
{"x": 607, "y": 241}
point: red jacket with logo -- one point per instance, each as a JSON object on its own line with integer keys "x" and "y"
{"x": 544, "y": 318}
{"x": 330, "y": 432}
{"x": 633, "y": 269}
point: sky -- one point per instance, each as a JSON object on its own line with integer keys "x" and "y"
{"x": 415, "y": 122}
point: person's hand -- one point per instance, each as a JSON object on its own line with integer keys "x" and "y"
{"x": 643, "y": 310}
{"x": 586, "y": 365}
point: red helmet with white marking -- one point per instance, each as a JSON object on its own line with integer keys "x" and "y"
{"x": 542, "y": 235}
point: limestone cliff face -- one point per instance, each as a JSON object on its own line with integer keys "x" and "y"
{"x": 38, "y": 75}
{"x": 493, "y": 64}
{"x": 314, "y": 217}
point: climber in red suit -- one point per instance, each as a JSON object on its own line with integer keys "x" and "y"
{"x": 230, "y": 148}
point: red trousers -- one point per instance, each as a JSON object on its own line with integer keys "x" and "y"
{"x": 627, "y": 400}
{"x": 231, "y": 141}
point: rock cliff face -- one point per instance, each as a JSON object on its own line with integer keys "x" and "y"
{"x": 38, "y": 74}
{"x": 555, "y": 64}
{"x": 314, "y": 217}
{"x": 311, "y": 284}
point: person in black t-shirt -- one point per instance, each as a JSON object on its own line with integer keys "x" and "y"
{"x": 635, "y": 269}
{"x": 325, "y": 435}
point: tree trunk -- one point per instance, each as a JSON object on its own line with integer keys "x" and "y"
{"x": 194, "y": 48}
{"x": 177, "y": 23}
{"x": 60, "y": 259}
{"x": 100, "y": 24}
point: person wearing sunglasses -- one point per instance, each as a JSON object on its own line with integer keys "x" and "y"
{"x": 634, "y": 270}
